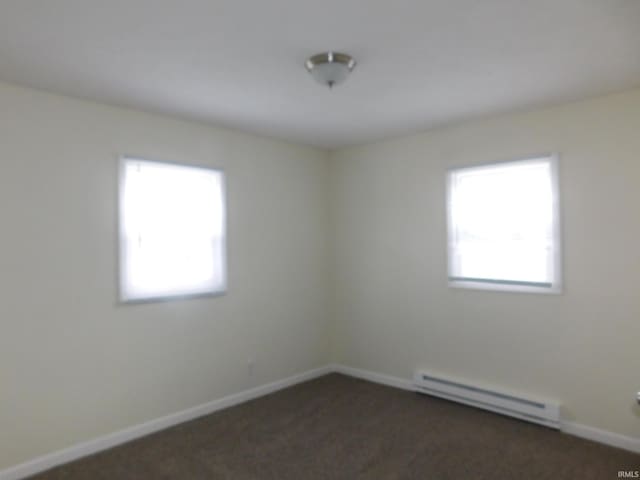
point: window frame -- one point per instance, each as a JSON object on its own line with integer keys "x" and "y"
{"x": 122, "y": 298}
{"x": 505, "y": 285}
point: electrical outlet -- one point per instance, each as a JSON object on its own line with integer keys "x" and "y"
{"x": 250, "y": 364}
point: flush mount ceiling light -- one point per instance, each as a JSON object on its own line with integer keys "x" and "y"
{"x": 330, "y": 68}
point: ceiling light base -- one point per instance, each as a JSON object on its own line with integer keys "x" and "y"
{"x": 330, "y": 68}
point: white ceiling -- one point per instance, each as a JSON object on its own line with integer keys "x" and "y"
{"x": 239, "y": 63}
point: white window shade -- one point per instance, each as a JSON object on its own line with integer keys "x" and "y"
{"x": 503, "y": 226}
{"x": 172, "y": 231}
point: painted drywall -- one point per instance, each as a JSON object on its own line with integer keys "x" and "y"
{"x": 75, "y": 364}
{"x": 359, "y": 239}
{"x": 393, "y": 311}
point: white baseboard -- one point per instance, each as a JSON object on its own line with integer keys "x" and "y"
{"x": 571, "y": 428}
{"x": 601, "y": 436}
{"x": 80, "y": 450}
{"x": 380, "y": 378}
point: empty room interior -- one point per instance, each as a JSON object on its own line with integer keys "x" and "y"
{"x": 319, "y": 240}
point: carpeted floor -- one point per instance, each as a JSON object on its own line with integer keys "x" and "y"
{"x": 337, "y": 427}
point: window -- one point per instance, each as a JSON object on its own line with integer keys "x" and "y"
{"x": 172, "y": 230}
{"x": 503, "y": 226}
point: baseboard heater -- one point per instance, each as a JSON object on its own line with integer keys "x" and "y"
{"x": 543, "y": 412}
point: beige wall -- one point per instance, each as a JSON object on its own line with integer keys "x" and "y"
{"x": 74, "y": 364}
{"x": 392, "y": 307}
{"x": 359, "y": 240}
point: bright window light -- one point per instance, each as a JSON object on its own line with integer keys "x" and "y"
{"x": 172, "y": 231}
{"x": 503, "y": 226}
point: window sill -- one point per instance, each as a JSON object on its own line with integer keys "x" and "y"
{"x": 507, "y": 288}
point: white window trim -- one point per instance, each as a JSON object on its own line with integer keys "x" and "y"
{"x": 514, "y": 287}
{"x": 122, "y": 298}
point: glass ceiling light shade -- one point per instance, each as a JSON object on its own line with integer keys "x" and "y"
{"x": 330, "y": 68}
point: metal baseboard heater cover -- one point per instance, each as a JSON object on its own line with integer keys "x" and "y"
{"x": 543, "y": 412}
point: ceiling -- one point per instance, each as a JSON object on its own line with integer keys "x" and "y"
{"x": 239, "y": 63}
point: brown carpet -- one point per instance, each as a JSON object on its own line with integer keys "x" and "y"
{"x": 337, "y": 427}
